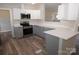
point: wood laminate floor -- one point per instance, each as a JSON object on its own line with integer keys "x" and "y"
{"x": 29, "y": 45}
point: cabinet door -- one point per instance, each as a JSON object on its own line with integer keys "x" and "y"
{"x": 42, "y": 29}
{"x": 16, "y": 13}
{"x": 46, "y": 29}
{"x": 18, "y": 32}
{"x": 35, "y": 30}
{"x": 35, "y": 14}
{"x": 38, "y": 30}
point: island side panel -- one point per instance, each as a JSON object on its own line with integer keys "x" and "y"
{"x": 68, "y": 46}
{"x": 52, "y": 44}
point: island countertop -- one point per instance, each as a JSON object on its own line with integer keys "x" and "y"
{"x": 62, "y": 33}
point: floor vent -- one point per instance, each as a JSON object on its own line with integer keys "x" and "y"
{"x": 38, "y": 51}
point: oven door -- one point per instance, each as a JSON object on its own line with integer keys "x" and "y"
{"x": 27, "y": 30}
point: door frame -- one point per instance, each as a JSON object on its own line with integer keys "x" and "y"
{"x": 11, "y": 20}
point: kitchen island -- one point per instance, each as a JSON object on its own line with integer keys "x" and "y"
{"x": 60, "y": 39}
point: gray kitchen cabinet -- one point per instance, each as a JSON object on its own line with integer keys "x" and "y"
{"x": 38, "y": 30}
{"x": 35, "y": 30}
{"x": 40, "y": 33}
{"x": 52, "y": 44}
{"x": 46, "y": 29}
{"x": 18, "y": 32}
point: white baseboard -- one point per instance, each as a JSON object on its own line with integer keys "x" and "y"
{"x": 5, "y": 30}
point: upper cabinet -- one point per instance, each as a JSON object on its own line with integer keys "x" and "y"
{"x": 68, "y": 11}
{"x": 35, "y": 14}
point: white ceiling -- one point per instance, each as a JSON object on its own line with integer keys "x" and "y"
{"x": 18, "y": 5}
{"x": 10, "y": 5}
{"x": 48, "y": 6}
{"x": 32, "y": 6}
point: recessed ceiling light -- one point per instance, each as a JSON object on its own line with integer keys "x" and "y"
{"x": 33, "y": 3}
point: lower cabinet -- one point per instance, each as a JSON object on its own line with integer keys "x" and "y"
{"x": 52, "y": 44}
{"x": 38, "y": 30}
{"x": 41, "y": 32}
{"x": 35, "y": 30}
{"x": 18, "y": 32}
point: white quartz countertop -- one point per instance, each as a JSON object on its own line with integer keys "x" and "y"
{"x": 62, "y": 33}
{"x": 60, "y": 30}
{"x": 17, "y": 25}
{"x": 49, "y": 24}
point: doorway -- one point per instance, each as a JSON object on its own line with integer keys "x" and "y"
{"x": 5, "y": 26}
